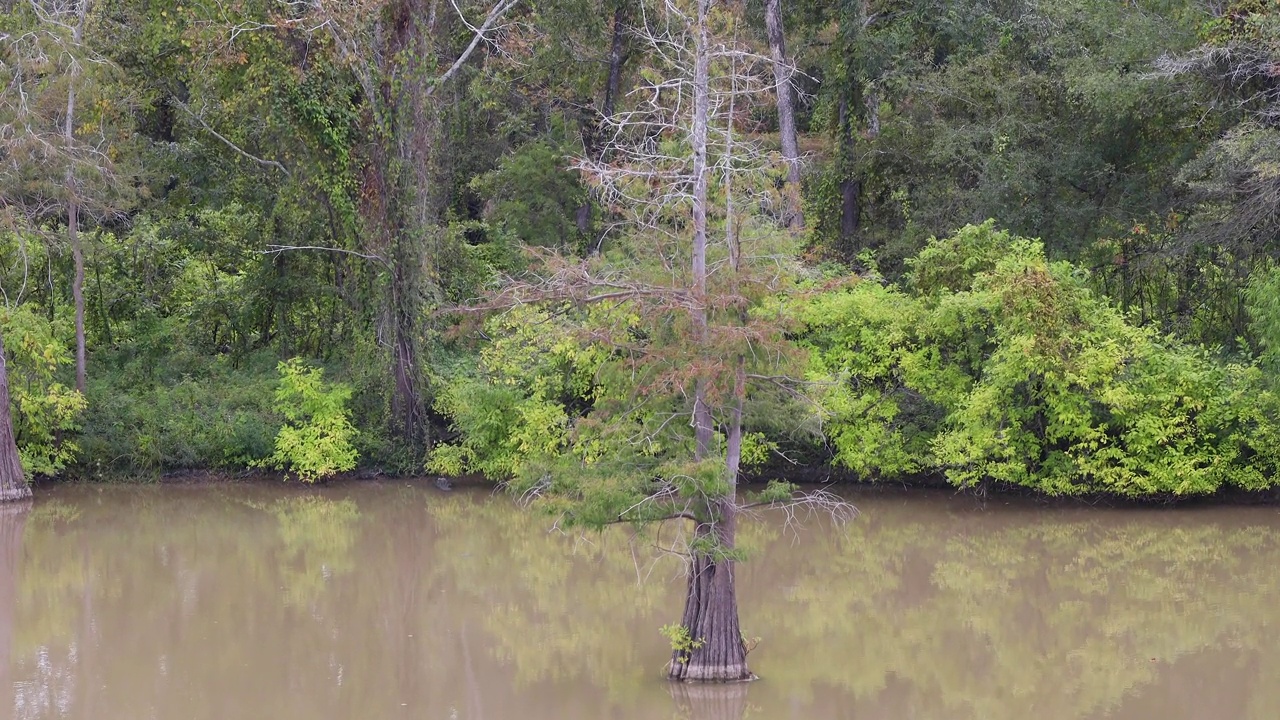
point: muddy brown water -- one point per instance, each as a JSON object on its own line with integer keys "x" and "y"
{"x": 363, "y": 602}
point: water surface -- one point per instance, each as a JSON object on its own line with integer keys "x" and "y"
{"x": 394, "y": 600}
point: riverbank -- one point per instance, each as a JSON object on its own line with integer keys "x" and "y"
{"x": 992, "y": 494}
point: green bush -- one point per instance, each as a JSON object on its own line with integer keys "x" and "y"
{"x": 994, "y": 364}
{"x": 211, "y": 416}
{"x": 46, "y": 413}
{"x": 316, "y": 441}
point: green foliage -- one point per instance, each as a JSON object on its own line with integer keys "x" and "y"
{"x": 533, "y": 197}
{"x": 185, "y": 412}
{"x": 46, "y": 413}
{"x": 316, "y": 441}
{"x": 682, "y": 642}
{"x": 1262, "y": 296}
{"x": 998, "y": 365}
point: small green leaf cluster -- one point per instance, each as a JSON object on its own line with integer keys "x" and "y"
{"x": 316, "y": 440}
{"x": 992, "y": 363}
{"x": 682, "y": 642}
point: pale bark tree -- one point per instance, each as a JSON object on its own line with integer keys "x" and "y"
{"x": 54, "y": 171}
{"x": 783, "y": 71}
{"x": 73, "y": 203}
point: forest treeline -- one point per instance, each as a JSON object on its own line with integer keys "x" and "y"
{"x": 1010, "y": 241}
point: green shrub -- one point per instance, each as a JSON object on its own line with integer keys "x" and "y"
{"x": 998, "y": 365}
{"x": 213, "y": 416}
{"x": 46, "y": 413}
{"x": 316, "y": 441}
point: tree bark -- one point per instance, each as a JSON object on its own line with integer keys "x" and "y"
{"x": 77, "y": 290}
{"x": 718, "y": 653}
{"x": 13, "y": 484}
{"x": 617, "y": 56}
{"x": 782, "y": 72}
{"x": 702, "y": 421}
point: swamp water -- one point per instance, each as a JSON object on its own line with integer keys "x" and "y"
{"x": 373, "y": 601}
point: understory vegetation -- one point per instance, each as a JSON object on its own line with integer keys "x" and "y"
{"x": 1021, "y": 243}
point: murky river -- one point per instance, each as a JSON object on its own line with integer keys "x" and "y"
{"x": 394, "y": 601}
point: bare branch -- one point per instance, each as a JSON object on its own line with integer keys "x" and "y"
{"x": 260, "y": 161}
{"x": 277, "y": 249}
{"x": 494, "y": 15}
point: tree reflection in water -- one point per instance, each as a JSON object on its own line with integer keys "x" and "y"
{"x": 404, "y": 602}
{"x": 13, "y": 523}
{"x": 710, "y": 702}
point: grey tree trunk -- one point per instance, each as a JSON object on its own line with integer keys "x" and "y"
{"x": 13, "y": 485}
{"x": 782, "y": 72}
{"x": 73, "y": 211}
{"x": 702, "y": 421}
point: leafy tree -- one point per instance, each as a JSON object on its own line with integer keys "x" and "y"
{"x": 45, "y": 412}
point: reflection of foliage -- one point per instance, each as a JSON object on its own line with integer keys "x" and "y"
{"x": 318, "y": 536}
{"x": 918, "y": 607}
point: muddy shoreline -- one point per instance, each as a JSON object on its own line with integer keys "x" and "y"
{"x": 992, "y": 494}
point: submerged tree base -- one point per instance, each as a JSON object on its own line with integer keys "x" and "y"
{"x": 715, "y": 651}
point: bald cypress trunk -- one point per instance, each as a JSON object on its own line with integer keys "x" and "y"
{"x": 718, "y": 653}
{"x": 13, "y": 485}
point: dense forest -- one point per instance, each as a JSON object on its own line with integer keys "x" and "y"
{"x": 1004, "y": 242}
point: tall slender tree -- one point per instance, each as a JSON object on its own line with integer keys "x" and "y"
{"x": 73, "y": 202}
{"x": 783, "y": 70}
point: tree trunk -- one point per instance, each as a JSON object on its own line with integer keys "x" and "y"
{"x": 702, "y": 421}
{"x": 782, "y": 72}
{"x": 616, "y": 57}
{"x": 718, "y": 653}
{"x": 13, "y": 485}
{"x": 612, "y": 84}
{"x": 73, "y": 213}
{"x": 77, "y": 289}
